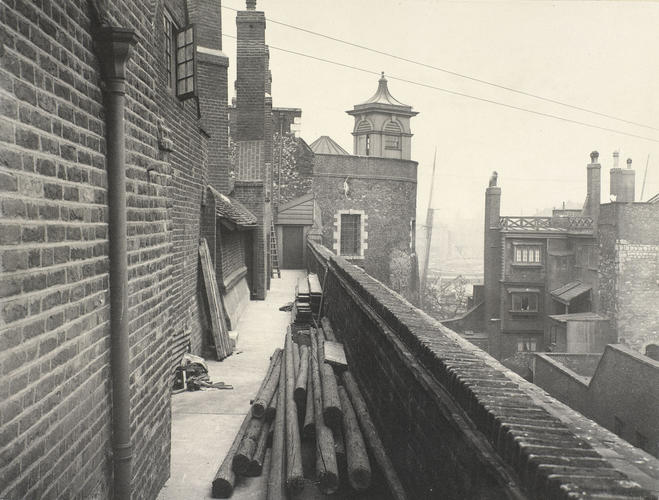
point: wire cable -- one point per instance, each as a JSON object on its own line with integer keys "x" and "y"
{"x": 454, "y": 73}
{"x": 461, "y": 94}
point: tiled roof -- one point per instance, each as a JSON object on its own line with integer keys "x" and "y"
{"x": 233, "y": 210}
{"x": 325, "y": 145}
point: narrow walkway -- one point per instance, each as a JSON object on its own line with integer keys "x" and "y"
{"x": 204, "y": 423}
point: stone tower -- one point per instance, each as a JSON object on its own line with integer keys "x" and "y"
{"x": 382, "y": 126}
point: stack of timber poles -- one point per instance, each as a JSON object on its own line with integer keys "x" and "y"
{"x": 302, "y": 409}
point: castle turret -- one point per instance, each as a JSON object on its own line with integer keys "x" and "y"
{"x": 382, "y": 126}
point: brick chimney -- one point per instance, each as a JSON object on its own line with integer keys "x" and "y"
{"x": 492, "y": 264}
{"x": 623, "y": 182}
{"x": 251, "y": 74}
{"x": 594, "y": 187}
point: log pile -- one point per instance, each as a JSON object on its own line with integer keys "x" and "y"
{"x": 304, "y": 411}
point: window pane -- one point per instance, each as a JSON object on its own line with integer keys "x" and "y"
{"x": 350, "y": 234}
{"x": 518, "y": 254}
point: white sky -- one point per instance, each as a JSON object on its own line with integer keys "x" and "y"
{"x": 598, "y": 55}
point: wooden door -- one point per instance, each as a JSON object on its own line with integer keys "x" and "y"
{"x": 292, "y": 244}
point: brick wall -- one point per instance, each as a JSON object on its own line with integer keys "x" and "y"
{"x": 252, "y": 195}
{"x": 251, "y": 68}
{"x": 233, "y": 251}
{"x": 54, "y": 329}
{"x": 384, "y": 189}
{"x": 456, "y": 423}
{"x": 629, "y": 266}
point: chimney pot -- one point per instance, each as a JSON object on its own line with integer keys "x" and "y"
{"x": 616, "y": 157}
{"x": 251, "y": 4}
{"x": 629, "y": 163}
{"x": 594, "y": 156}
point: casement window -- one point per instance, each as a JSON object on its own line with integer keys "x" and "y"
{"x": 180, "y": 58}
{"x": 524, "y": 302}
{"x": 527, "y": 344}
{"x": 527, "y": 254}
{"x": 351, "y": 234}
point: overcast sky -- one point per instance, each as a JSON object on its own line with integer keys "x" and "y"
{"x": 597, "y": 55}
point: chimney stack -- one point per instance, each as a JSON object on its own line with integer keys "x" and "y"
{"x": 594, "y": 182}
{"x": 623, "y": 182}
{"x": 492, "y": 264}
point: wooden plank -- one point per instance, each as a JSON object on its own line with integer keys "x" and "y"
{"x": 216, "y": 311}
{"x": 335, "y": 354}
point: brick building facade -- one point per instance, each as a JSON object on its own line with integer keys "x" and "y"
{"x": 61, "y": 136}
{"x": 573, "y": 282}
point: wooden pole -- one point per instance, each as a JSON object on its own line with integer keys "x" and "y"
{"x": 256, "y": 465}
{"x": 327, "y": 329}
{"x": 225, "y": 478}
{"x": 300, "y": 392}
{"x": 268, "y": 386}
{"x": 271, "y": 410}
{"x": 331, "y": 403}
{"x": 245, "y": 452}
{"x": 278, "y": 457}
{"x": 359, "y": 468}
{"x": 326, "y": 467}
{"x": 429, "y": 223}
{"x": 294, "y": 474}
{"x": 309, "y": 428}
{"x": 371, "y": 437}
{"x": 296, "y": 361}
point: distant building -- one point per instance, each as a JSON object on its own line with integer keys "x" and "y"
{"x": 576, "y": 281}
{"x": 368, "y": 200}
{"x": 618, "y": 389}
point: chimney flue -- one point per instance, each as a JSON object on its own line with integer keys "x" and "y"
{"x": 592, "y": 205}
{"x": 629, "y": 163}
{"x": 616, "y": 158}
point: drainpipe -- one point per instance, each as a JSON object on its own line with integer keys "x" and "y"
{"x": 113, "y": 48}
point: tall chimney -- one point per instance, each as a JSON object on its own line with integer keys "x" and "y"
{"x": 623, "y": 183}
{"x": 492, "y": 265}
{"x": 594, "y": 182}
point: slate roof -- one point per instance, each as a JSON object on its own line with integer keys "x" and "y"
{"x": 383, "y": 96}
{"x": 325, "y": 145}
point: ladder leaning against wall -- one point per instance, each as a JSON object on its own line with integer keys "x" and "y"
{"x": 274, "y": 258}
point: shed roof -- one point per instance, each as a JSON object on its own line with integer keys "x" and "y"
{"x": 583, "y": 316}
{"x": 570, "y": 291}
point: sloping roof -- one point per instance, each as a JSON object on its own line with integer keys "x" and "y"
{"x": 570, "y": 291}
{"x": 654, "y": 199}
{"x": 299, "y": 211}
{"x": 325, "y": 145}
{"x": 233, "y": 210}
{"x": 383, "y": 96}
{"x": 584, "y": 316}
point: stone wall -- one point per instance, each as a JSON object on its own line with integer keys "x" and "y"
{"x": 456, "y": 423}
{"x": 620, "y": 393}
{"x": 384, "y": 189}
{"x": 629, "y": 267}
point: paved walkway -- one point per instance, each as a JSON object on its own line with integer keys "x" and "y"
{"x": 204, "y": 423}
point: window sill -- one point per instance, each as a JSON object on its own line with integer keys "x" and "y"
{"x": 524, "y": 313}
{"x": 522, "y": 264}
{"x": 353, "y": 257}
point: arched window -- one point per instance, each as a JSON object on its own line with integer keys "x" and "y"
{"x": 363, "y": 126}
{"x": 392, "y": 133}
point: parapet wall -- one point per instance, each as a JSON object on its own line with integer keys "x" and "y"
{"x": 455, "y": 422}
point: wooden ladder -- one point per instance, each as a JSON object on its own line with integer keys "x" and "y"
{"x": 274, "y": 258}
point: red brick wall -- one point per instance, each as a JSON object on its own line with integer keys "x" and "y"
{"x": 233, "y": 251}
{"x": 54, "y": 327}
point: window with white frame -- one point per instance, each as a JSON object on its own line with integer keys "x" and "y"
{"x": 527, "y": 254}
{"x": 351, "y": 234}
{"x": 180, "y": 58}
